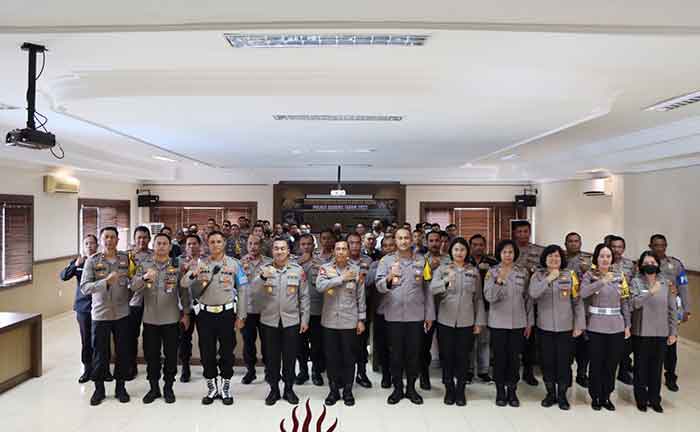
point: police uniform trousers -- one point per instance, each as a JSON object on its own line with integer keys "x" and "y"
{"x": 455, "y": 345}
{"x": 85, "y": 324}
{"x": 557, "y": 349}
{"x": 135, "y": 318}
{"x": 648, "y": 360}
{"x": 156, "y": 339}
{"x": 626, "y": 359}
{"x": 605, "y": 353}
{"x": 250, "y": 332}
{"x": 581, "y": 354}
{"x": 281, "y": 346}
{"x": 507, "y": 344}
{"x": 341, "y": 348}
{"x": 311, "y": 346}
{"x": 362, "y": 356}
{"x": 216, "y": 330}
{"x": 529, "y": 355}
{"x": 671, "y": 361}
{"x": 381, "y": 342}
{"x": 480, "y": 360}
{"x": 405, "y": 339}
{"x": 185, "y": 349}
{"x": 102, "y": 334}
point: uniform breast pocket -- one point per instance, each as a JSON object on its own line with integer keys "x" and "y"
{"x": 292, "y": 290}
{"x": 418, "y": 274}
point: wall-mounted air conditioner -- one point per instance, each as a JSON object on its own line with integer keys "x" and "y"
{"x": 596, "y": 187}
{"x": 61, "y": 184}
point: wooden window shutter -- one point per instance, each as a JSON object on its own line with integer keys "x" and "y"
{"x": 17, "y": 255}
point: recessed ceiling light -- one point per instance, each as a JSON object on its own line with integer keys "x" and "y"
{"x": 675, "y": 103}
{"x": 345, "y": 165}
{"x": 510, "y": 157}
{"x": 338, "y": 117}
{"x": 260, "y": 40}
{"x": 6, "y": 107}
{"x": 364, "y": 150}
{"x": 164, "y": 159}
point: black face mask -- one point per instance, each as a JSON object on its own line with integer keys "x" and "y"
{"x": 650, "y": 269}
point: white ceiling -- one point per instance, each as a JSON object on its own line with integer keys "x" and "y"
{"x": 556, "y": 89}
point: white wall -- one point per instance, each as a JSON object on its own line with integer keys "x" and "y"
{"x": 562, "y": 208}
{"x": 477, "y": 193}
{"x": 262, "y": 194}
{"x": 56, "y": 215}
{"x": 666, "y": 202}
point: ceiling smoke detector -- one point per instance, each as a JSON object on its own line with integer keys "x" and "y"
{"x": 675, "y": 103}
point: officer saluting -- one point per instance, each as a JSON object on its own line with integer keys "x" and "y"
{"x": 283, "y": 293}
{"x": 105, "y": 277}
{"x": 158, "y": 283}
{"x": 216, "y": 282}
{"x": 363, "y": 261}
{"x": 344, "y": 312}
{"x": 409, "y": 313}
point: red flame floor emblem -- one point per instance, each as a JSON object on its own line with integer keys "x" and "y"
{"x": 307, "y": 421}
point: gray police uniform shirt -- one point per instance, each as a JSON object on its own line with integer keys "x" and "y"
{"x": 559, "y": 304}
{"x": 183, "y": 263}
{"x": 109, "y": 301}
{"x": 580, "y": 263}
{"x": 410, "y": 299}
{"x": 602, "y": 294}
{"x": 377, "y": 303}
{"x": 284, "y": 296}
{"x": 628, "y": 267}
{"x": 459, "y": 295}
{"x": 136, "y": 298}
{"x": 653, "y": 314}
{"x": 227, "y": 286}
{"x": 672, "y": 268}
{"x": 163, "y": 296}
{"x": 529, "y": 258}
{"x": 251, "y": 267}
{"x": 311, "y": 267}
{"x": 510, "y": 303}
{"x": 344, "y": 302}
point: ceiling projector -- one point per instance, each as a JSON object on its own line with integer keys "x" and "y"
{"x": 31, "y": 139}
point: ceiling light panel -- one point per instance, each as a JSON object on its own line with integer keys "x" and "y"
{"x": 676, "y": 102}
{"x": 338, "y": 117}
{"x": 260, "y": 40}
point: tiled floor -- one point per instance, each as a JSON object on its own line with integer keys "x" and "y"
{"x": 56, "y": 403}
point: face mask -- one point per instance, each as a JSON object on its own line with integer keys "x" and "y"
{"x": 649, "y": 269}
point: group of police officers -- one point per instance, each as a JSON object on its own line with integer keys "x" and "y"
{"x": 492, "y": 314}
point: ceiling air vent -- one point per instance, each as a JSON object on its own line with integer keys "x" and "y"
{"x": 676, "y": 102}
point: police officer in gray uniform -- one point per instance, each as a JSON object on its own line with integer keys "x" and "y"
{"x": 106, "y": 279}
{"x": 560, "y": 318}
{"x": 142, "y": 237}
{"x": 311, "y": 342}
{"x": 579, "y": 263}
{"x": 190, "y": 259}
{"x": 608, "y": 326}
{"x": 158, "y": 281}
{"x": 654, "y": 327}
{"x": 409, "y": 313}
{"x": 252, "y": 263}
{"x": 218, "y": 283}
{"x": 380, "y": 339}
{"x": 511, "y": 319}
{"x": 672, "y": 268}
{"x": 628, "y": 268}
{"x": 363, "y": 261}
{"x": 461, "y": 315}
{"x": 342, "y": 283}
{"x": 283, "y": 292}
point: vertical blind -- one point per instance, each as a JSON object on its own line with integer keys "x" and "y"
{"x": 16, "y": 239}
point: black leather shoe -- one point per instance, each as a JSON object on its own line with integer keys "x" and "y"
{"x": 85, "y": 377}
{"x": 153, "y": 393}
{"x": 501, "y": 400}
{"x": 273, "y": 396}
{"x": 99, "y": 394}
{"x": 550, "y": 399}
{"x": 301, "y": 377}
{"x": 168, "y": 393}
{"x": 317, "y": 379}
{"x": 396, "y": 396}
{"x": 362, "y": 380}
{"x": 412, "y": 394}
{"x": 120, "y": 392}
{"x": 469, "y": 379}
{"x": 625, "y": 378}
{"x": 608, "y": 405}
{"x": 671, "y": 384}
{"x": 348, "y": 397}
{"x": 461, "y": 395}
{"x": 513, "y": 397}
{"x": 562, "y": 401}
{"x": 657, "y": 407}
{"x": 249, "y": 377}
{"x": 386, "y": 381}
{"x": 449, "y": 394}
{"x": 425, "y": 381}
{"x": 108, "y": 376}
{"x": 290, "y": 396}
{"x": 642, "y": 406}
{"x": 529, "y": 377}
{"x": 595, "y": 404}
{"x": 485, "y": 378}
{"x": 185, "y": 373}
{"x": 333, "y": 395}
{"x": 582, "y": 380}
